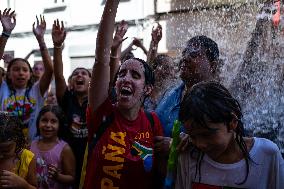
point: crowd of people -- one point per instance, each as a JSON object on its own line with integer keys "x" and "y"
{"x": 112, "y": 127}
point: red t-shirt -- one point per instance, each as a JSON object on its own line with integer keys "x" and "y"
{"x": 123, "y": 157}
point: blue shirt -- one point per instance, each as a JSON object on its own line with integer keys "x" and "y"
{"x": 168, "y": 108}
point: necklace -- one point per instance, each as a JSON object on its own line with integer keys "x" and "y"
{"x": 20, "y": 109}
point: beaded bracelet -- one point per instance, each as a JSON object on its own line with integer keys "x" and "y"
{"x": 7, "y": 35}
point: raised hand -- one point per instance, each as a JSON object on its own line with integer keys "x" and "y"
{"x": 40, "y": 28}
{"x": 157, "y": 33}
{"x": 8, "y": 20}
{"x": 137, "y": 42}
{"x": 121, "y": 29}
{"x": 58, "y": 33}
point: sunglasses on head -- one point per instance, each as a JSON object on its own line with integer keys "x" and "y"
{"x": 38, "y": 68}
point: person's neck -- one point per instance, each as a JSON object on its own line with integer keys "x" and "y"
{"x": 129, "y": 114}
{"x": 80, "y": 97}
{"x": 232, "y": 154}
{"x": 49, "y": 140}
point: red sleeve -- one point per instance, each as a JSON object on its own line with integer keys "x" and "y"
{"x": 94, "y": 119}
{"x": 158, "y": 129}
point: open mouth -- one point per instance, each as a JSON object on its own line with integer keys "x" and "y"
{"x": 126, "y": 91}
{"x": 80, "y": 82}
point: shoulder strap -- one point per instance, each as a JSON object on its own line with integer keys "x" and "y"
{"x": 150, "y": 118}
{"x": 102, "y": 128}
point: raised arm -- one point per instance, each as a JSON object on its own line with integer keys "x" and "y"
{"x": 138, "y": 43}
{"x": 156, "y": 37}
{"x": 58, "y": 37}
{"x": 8, "y": 22}
{"x": 116, "y": 49}
{"x": 39, "y": 31}
{"x": 255, "y": 40}
{"x": 98, "y": 89}
{"x": 30, "y": 53}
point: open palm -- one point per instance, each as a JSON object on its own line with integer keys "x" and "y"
{"x": 8, "y": 20}
{"x": 58, "y": 33}
{"x": 40, "y": 28}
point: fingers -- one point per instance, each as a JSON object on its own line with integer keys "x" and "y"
{"x": 158, "y": 138}
{"x": 52, "y": 171}
{"x": 37, "y": 21}
{"x": 184, "y": 141}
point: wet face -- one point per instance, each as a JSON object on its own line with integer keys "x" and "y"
{"x": 194, "y": 65}
{"x": 38, "y": 70}
{"x": 19, "y": 74}
{"x": 48, "y": 125}
{"x": 80, "y": 80}
{"x": 130, "y": 84}
{"x": 213, "y": 143}
{"x": 164, "y": 70}
{"x": 7, "y": 149}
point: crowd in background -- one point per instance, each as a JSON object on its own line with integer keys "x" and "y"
{"x": 113, "y": 127}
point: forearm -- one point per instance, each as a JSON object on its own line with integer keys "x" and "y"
{"x": 152, "y": 53}
{"x": 48, "y": 68}
{"x": 126, "y": 51}
{"x": 65, "y": 179}
{"x": 3, "y": 41}
{"x": 98, "y": 90}
{"x": 254, "y": 42}
{"x": 29, "y": 186}
{"x": 105, "y": 31}
{"x": 114, "y": 63}
{"x": 144, "y": 50}
{"x": 58, "y": 72}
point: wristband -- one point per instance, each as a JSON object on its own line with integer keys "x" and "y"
{"x": 57, "y": 47}
{"x": 114, "y": 57}
{"x": 7, "y": 35}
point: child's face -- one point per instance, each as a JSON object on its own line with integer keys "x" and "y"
{"x": 48, "y": 125}
{"x": 130, "y": 84}
{"x": 7, "y": 149}
{"x": 19, "y": 74}
{"x": 215, "y": 144}
{"x": 80, "y": 80}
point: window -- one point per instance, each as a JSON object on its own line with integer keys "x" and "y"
{"x": 54, "y": 6}
{"x": 55, "y": 1}
{"x": 104, "y": 1}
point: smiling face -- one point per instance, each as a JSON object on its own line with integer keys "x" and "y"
{"x": 48, "y": 125}
{"x": 130, "y": 84}
{"x": 80, "y": 80}
{"x": 213, "y": 141}
{"x": 19, "y": 73}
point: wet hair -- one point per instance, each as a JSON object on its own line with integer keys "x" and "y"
{"x": 211, "y": 101}
{"x": 210, "y": 47}
{"x": 127, "y": 56}
{"x": 79, "y": 68}
{"x": 149, "y": 74}
{"x": 11, "y": 130}
{"x": 57, "y": 111}
{"x": 160, "y": 59}
{"x": 30, "y": 81}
